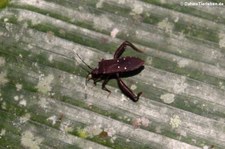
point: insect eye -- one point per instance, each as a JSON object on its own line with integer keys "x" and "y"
{"x": 89, "y": 76}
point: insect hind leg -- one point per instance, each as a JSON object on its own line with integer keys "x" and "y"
{"x": 122, "y": 48}
{"x": 127, "y": 91}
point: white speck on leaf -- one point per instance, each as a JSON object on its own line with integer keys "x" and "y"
{"x": 98, "y": 23}
{"x": 137, "y": 9}
{"x": 111, "y": 131}
{"x": 166, "y": 25}
{"x": 145, "y": 122}
{"x": 28, "y": 140}
{"x": 175, "y": 121}
{"x": 114, "y": 32}
{"x": 182, "y": 63}
{"x": 123, "y": 98}
{"x": 25, "y": 118}
{"x": 53, "y": 119}
{"x": 112, "y": 140}
{"x": 44, "y": 84}
{"x": 23, "y": 102}
{"x": 180, "y": 85}
{"x": 133, "y": 87}
{"x": 3, "y": 131}
{"x": 122, "y": 1}
{"x": 4, "y": 105}
{"x": 176, "y": 19}
{"x": 3, "y": 79}
{"x": 205, "y": 147}
{"x": 43, "y": 102}
{"x": 2, "y": 61}
{"x": 167, "y": 98}
{"x": 8, "y": 26}
{"x": 183, "y": 133}
{"x": 66, "y": 126}
{"x": 6, "y": 20}
{"x": 148, "y": 60}
{"x": 50, "y": 58}
{"x": 141, "y": 121}
{"x": 19, "y": 87}
{"x": 93, "y": 130}
{"x": 99, "y": 4}
{"x": 20, "y": 55}
{"x": 222, "y": 40}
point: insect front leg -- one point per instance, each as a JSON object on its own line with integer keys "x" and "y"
{"x": 88, "y": 77}
{"x": 127, "y": 91}
{"x": 122, "y": 48}
{"x": 104, "y": 84}
{"x": 97, "y": 80}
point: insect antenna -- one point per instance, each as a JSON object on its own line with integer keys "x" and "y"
{"x": 88, "y": 77}
{"x": 85, "y": 62}
{"x": 85, "y": 69}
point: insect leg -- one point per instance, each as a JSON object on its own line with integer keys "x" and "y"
{"x": 97, "y": 80}
{"x": 104, "y": 84}
{"x": 127, "y": 91}
{"x": 88, "y": 77}
{"x": 122, "y": 48}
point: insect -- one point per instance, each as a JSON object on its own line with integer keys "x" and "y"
{"x": 116, "y": 68}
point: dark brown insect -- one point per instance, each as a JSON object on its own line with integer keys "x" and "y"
{"x": 116, "y": 68}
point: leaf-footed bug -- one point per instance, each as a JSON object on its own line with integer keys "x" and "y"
{"x": 116, "y": 68}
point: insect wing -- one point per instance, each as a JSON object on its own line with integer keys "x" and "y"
{"x": 124, "y": 64}
{"x": 129, "y": 63}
